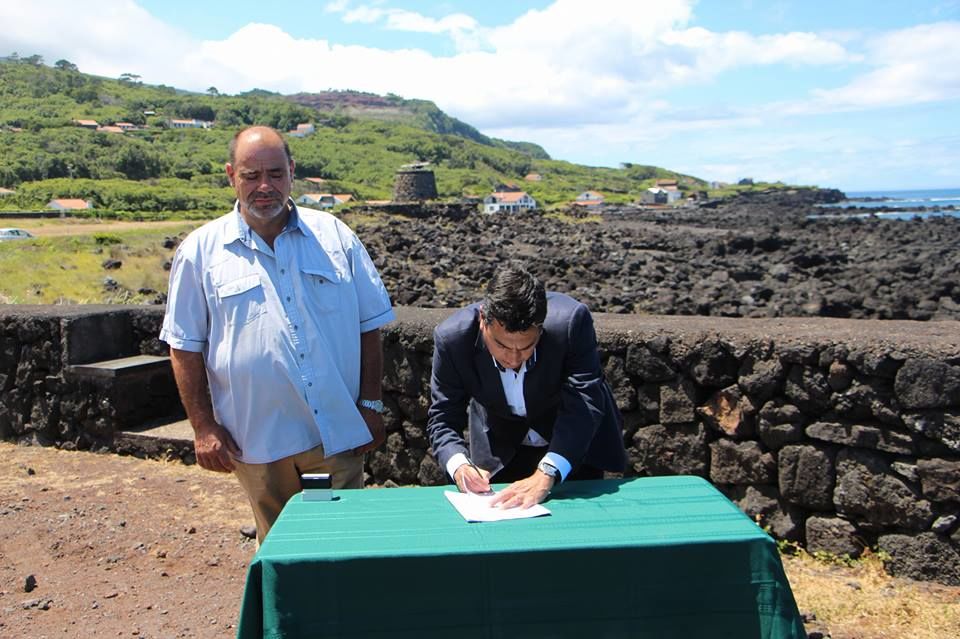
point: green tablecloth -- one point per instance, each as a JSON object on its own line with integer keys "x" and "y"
{"x": 647, "y": 557}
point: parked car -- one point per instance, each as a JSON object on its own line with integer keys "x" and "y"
{"x": 15, "y": 234}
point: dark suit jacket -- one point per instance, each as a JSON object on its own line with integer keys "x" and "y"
{"x": 567, "y": 399}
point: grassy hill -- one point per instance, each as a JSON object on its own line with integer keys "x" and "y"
{"x": 360, "y": 141}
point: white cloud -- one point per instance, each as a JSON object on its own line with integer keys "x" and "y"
{"x": 591, "y": 81}
{"x": 462, "y": 28}
{"x": 919, "y": 64}
{"x": 97, "y": 45}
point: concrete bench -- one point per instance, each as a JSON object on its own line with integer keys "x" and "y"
{"x": 122, "y": 367}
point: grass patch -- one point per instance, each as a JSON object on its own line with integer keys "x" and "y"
{"x": 68, "y": 269}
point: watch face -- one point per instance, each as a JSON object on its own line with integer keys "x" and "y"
{"x": 548, "y": 469}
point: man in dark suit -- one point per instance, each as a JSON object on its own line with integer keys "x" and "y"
{"x": 522, "y": 368}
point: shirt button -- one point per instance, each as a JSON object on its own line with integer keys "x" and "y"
{"x": 310, "y": 384}
{"x": 288, "y": 298}
{"x": 315, "y": 411}
{"x": 296, "y": 328}
{"x": 301, "y": 355}
{"x": 283, "y": 271}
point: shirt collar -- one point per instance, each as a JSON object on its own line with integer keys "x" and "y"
{"x": 240, "y": 230}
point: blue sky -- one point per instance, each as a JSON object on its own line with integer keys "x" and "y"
{"x": 846, "y": 93}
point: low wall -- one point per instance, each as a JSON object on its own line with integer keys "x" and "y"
{"x": 836, "y": 434}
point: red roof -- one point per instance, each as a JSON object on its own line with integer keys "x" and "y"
{"x": 69, "y": 203}
{"x": 509, "y": 196}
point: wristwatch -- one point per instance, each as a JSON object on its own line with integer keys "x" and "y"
{"x": 549, "y": 470}
{"x": 376, "y": 405}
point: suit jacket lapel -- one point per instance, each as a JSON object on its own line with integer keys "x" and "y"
{"x": 490, "y": 384}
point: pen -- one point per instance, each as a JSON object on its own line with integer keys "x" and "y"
{"x": 474, "y": 466}
{"x": 479, "y": 474}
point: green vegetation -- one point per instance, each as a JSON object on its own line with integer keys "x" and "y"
{"x": 155, "y": 171}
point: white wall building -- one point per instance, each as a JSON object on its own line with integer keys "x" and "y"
{"x": 509, "y": 202}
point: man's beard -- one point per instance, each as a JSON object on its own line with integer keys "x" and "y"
{"x": 266, "y": 212}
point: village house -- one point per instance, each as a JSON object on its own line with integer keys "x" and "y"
{"x": 654, "y": 195}
{"x": 672, "y": 188}
{"x": 315, "y": 180}
{"x": 318, "y": 200}
{"x": 190, "y": 124}
{"x": 508, "y": 202}
{"x": 109, "y": 129}
{"x": 302, "y": 130}
{"x": 589, "y": 198}
{"x": 87, "y": 124}
{"x": 533, "y": 177}
{"x": 68, "y": 204}
{"x": 5, "y": 192}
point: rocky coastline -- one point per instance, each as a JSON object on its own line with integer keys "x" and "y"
{"x": 758, "y": 255}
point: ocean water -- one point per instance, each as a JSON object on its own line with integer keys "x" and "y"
{"x": 909, "y": 201}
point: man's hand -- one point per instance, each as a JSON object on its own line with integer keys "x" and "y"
{"x": 375, "y": 425}
{"x": 525, "y": 493}
{"x": 215, "y": 448}
{"x": 472, "y": 480}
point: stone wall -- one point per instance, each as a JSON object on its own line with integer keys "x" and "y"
{"x": 44, "y": 401}
{"x": 835, "y": 434}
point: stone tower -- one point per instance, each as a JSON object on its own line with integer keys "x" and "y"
{"x": 414, "y": 182}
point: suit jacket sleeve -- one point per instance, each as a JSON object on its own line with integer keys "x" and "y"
{"x": 447, "y": 417}
{"x": 582, "y": 397}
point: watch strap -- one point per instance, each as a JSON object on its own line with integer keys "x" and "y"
{"x": 376, "y": 405}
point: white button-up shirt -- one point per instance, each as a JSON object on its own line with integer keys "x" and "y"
{"x": 512, "y": 381}
{"x": 279, "y": 328}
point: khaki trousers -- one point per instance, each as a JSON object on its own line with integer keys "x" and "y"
{"x": 269, "y": 486}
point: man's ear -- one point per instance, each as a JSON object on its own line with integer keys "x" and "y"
{"x": 229, "y": 169}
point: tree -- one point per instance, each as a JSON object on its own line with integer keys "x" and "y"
{"x": 35, "y": 60}
{"x": 213, "y": 91}
{"x": 65, "y": 65}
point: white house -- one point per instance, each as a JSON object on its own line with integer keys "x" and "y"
{"x": 5, "y": 192}
{"x": 590, "y": 196}
{"x": 589, "y": 199}
{"x": 319, "y": 200}
{"x": 509, "y": 201}
{"x": 190, "y": 124}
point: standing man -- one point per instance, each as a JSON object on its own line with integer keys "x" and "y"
{"x": 524, "y": 365}
{"x": 273, "y": 318}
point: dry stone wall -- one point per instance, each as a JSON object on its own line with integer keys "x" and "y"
{"x": 836, "y": 434}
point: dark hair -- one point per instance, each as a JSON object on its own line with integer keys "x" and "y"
{"x": 516, "y": 299}
{"x": 232, "y": 147}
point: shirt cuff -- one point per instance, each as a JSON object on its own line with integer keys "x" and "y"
{"x": 560, "y": 463}
{"x": 377, "y": 321}
{"x": 456, "y": 462}
{"x": 180, "y": 343}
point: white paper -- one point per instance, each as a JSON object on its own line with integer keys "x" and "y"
{"x": 477, "y": 508}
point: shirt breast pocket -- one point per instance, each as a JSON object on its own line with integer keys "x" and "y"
{"x": 323, "y": 289}
{"x": 242, "y": 300}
